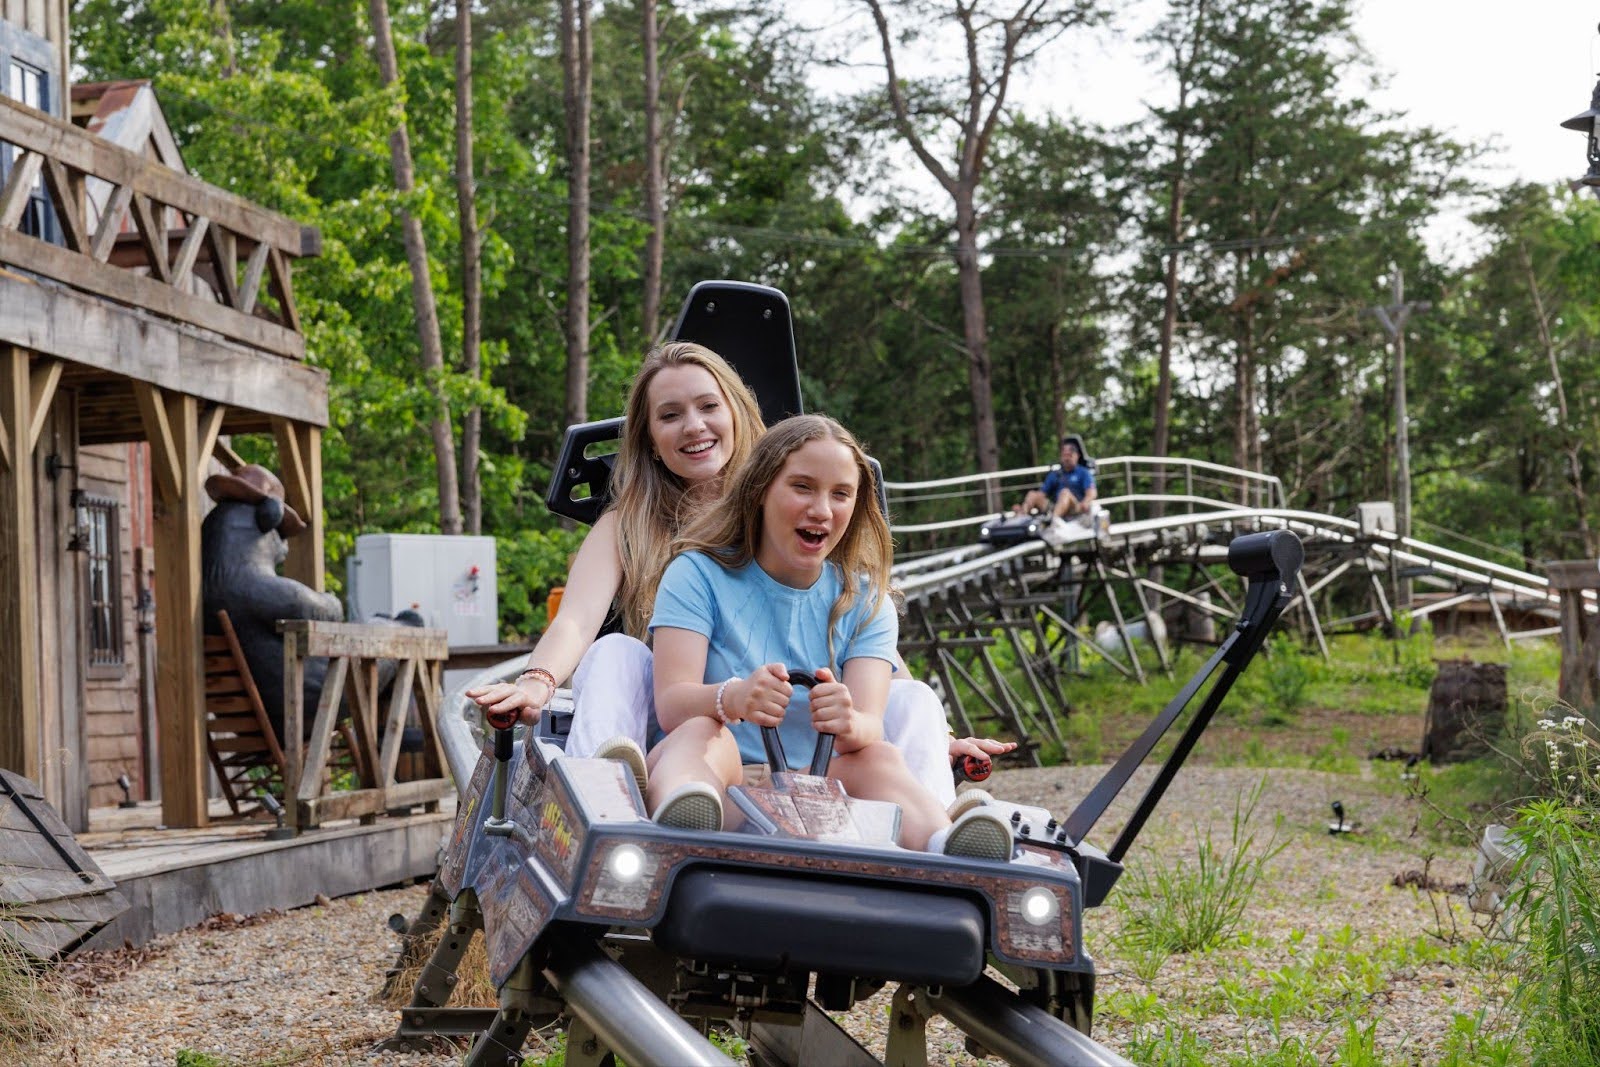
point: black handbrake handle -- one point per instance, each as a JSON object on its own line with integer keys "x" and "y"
{"x": 820, "y": 758}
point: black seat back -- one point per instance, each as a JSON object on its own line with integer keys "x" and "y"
{"x": 748, "y": 325}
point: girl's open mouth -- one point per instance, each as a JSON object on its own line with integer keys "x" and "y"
{"x": 814, "y": 538}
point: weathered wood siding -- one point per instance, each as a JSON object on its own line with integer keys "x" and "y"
{"x": 46, "y": 21}
{"x": 61, "y": 725}
{"x": 111, "y": 693}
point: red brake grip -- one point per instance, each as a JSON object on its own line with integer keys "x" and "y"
{"x": 973, "y": 768}
{"x": 502, "y": 720}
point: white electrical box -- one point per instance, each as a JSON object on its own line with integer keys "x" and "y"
{"x": 448, "y": 579}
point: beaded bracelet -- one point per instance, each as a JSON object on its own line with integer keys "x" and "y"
{"x": 542, "y": 675}
{"x": 722, "y": 715}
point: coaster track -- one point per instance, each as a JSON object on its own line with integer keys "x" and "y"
{"x": 1157, "y": 571}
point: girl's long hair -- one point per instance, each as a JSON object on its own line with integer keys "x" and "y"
{"x": 730, "y": 532}
{"x": 651, "y": 503}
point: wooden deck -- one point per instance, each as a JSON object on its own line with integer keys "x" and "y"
{"x": 174, "y": 879}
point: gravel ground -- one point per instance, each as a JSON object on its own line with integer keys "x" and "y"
{"x": 300, "y": 987}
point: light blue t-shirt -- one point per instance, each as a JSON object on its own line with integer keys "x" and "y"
{"x": 749, "y": 619}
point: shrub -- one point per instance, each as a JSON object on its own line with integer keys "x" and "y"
{"x": 530, "y": 564}
{"x": 1288, "y": 674}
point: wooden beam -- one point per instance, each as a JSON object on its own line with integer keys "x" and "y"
{"x": 105, "y": 235}
{"x": 300, "y": 456}
{"x": 210, "y": 430}
{"x": 250, "y": 288}
{"x": 42, "y": 382}
{"x": 150, "y": 222}
{"x": 84, "y": 272}
{"x": 282, "y": 287}
{"x": 69, "y": 209}
{"x": 129, "y": 345}
{"x": 226, "y": 456}
{"x": 19, "y": 573}
{"x": 66, "y": 143}
{"x": 166, "y": 464}
{"x": 180, "y": 657}
{"x": 190, "y": 250}
{"x": 18, "y": 187}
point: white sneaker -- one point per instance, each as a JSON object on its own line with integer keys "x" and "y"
{"x": 1055, "y": 532}
{"x": 979, "y": 834}
{"x": 626, "y": 750}
{"x": 966, "y": 800}
{"x": 692, "y": 806}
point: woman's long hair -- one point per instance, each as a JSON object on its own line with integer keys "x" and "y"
{"x": 652, "y": 503}
{"x": 730, "y": 532}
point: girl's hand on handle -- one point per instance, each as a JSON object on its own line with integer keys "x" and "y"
{"x": 833, "y": 711}
{"x": 762, "y": 698}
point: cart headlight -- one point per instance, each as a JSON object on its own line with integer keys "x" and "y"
{"x": 1039, "y": 906}
{"x": 1038, "y": 923}
{"x": 624, "y": 881}
{"x": 626, "y": 864}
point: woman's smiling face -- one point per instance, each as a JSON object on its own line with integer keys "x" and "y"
{"x": 691, "y": 424}
{"x": 806, "y": 511}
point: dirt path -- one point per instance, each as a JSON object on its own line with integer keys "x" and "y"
{"x": 299, "y": 987}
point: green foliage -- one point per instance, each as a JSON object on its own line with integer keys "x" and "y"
{"x": 1289, "y": 672}
{"x": 1189, "y": 906}
{"x": 186, "y": 1057}
{"x": 1555, "y": 901}
{"x": 530, "y": 564}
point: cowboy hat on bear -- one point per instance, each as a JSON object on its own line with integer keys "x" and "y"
{"x": 251, "y": 484}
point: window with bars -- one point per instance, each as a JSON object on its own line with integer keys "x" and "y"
{"x": 102, "y": 543}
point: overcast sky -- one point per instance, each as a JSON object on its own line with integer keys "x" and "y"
{"x": 1507, "y": 71}
{"x": 1498, "y": 72}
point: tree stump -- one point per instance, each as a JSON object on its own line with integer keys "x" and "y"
{"x": 1466, "y": 710}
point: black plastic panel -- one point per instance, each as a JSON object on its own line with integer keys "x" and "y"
{"x": 775, "y": 922}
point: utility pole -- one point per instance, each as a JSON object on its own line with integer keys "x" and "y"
{"x": 1393, "y": 318}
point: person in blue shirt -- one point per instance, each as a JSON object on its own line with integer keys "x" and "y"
{"x": 789, "y": 570}
{"x": 1068, "y": 490}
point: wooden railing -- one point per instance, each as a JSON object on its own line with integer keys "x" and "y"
{"x": 189, "y": 251}
{"x": 353, "y": 651}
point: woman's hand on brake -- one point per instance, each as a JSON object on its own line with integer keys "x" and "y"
{"x": 982, "y": 747}
{"x": 502, "y": 698}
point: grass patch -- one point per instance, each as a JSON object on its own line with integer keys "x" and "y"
{"x": 34, "y": 1005}
{"x": 1192, "y": 906}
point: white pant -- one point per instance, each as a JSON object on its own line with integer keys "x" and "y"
{"x": 613, "y": 693}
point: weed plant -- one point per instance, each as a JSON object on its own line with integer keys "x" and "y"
{"x": 1194, "y": 906}
{"x": 1555, "y": 900}
{"x": 33, "y": 1006}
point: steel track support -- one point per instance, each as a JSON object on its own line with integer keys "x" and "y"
{"x": 501, "y": 1044}
{"x": 908, "y": 1029}
{"x": 815, "y": 1040}
{"x": 1022, "y": 1034}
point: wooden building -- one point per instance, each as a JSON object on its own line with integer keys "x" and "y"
{"x": 145, "y": 316}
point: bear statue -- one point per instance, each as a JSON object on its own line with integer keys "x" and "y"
{"x": 242, "y": 544}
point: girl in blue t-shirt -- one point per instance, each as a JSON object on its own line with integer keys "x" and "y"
{"x": 790, "y": 569}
